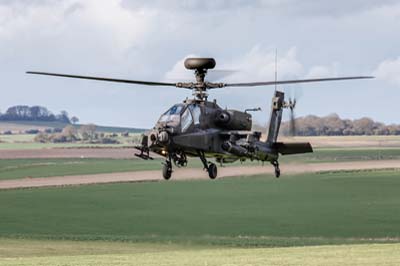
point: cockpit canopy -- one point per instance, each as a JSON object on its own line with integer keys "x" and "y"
{"x": 182, "y": 116}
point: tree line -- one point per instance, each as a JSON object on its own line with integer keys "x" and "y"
{"x": 333, "y": 125}
{"x": 36, "y": 113}
{"x": 83, "y": 133}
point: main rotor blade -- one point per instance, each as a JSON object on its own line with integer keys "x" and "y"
{"x": 141, "y": 82}
{"x": 266, "y": 83}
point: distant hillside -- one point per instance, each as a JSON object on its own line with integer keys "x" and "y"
{"x": 109, "y": 129}
{"x": 21, "y": 118}
{"x": 22, "y": 126}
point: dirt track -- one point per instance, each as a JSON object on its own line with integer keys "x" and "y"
{"x": 185, "y": 174}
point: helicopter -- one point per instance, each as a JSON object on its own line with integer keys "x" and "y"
{"x": 200, "y": 128}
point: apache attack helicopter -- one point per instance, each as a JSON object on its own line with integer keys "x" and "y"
{"x": 200, "y": 128}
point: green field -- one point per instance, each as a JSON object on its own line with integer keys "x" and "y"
{"x": 28, "y": 252}
{"x": 37, "y": 145}
{"x": 22, "y": 168}
{"x": 255, "y": 211}
{"x": 342, "y": 218}
{"x": 352, "y": 217}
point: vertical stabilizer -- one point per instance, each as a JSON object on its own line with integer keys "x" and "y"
{"x": 276, "y": 116}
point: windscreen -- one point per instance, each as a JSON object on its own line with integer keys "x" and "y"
{"x": 172, "y": 116}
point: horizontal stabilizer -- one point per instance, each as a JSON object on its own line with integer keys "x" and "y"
{"x": 293, "y": 148}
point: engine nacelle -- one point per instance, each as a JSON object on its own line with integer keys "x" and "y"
{"x": 233, "y": 120}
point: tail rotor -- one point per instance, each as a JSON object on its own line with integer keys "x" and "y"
{"x": 291, "y": 105}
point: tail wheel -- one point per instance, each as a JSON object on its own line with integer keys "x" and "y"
{"x": 212, "y": 171}
{"x": 277, "y": 169}
{"x": 277, "y": 173}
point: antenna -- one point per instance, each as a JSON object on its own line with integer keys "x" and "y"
{"x": 276, "y": 66}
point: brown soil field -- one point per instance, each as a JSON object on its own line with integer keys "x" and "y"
{"x": 185, "y": 174}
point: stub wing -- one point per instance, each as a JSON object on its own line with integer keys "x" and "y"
{"x": 293, "y": 148}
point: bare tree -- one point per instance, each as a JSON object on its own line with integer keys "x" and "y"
{"x": 88, "y": 131}
{"x": 70, "y": 133}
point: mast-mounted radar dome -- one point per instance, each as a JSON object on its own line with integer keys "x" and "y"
{"x": 199, "y": 63}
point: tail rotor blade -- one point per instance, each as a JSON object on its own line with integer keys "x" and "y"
{"x": 292, "y": 123}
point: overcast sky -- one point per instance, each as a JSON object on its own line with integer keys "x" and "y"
{"x": 149, "y": 40}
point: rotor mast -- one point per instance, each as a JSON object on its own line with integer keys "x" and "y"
{"x": 200, "y": 91}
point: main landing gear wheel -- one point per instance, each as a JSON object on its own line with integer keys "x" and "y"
{"x": 277, "y": 170}
{"x": 212, "y": 171}
{"x": 167, "y": 170}
{"x": 210, "y": 167}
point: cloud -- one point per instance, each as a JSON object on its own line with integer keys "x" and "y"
{"x": 178, "y": 73}
{"x": 283, "y": 7}
{"x": 389, "y": 70}
{"x": 323, "y": 71}
{"x": 256, "y": 65}
{"x": 259, "y": 64}
{"x": 90, "y": 29}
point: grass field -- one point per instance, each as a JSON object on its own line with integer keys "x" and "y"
{"x": 22, "y": 168}
{"x": 350, "y": 218}
{"x": 28, "y": 252}
{"x": 37, "y": 145}
{"x": 342, "y": 218}
{"x": 297, "y": 210}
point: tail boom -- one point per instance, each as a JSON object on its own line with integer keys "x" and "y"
{"x": 292, "y": 148}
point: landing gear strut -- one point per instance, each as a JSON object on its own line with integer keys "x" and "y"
{"x": 167, "y": 169}
{"x": 210, "y": 167}
{"x": 277, "y": 170}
